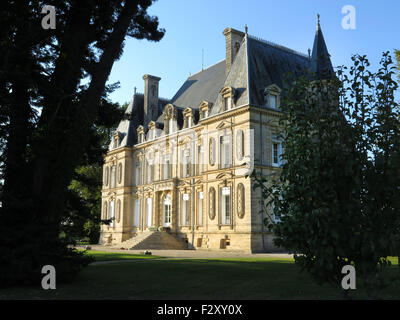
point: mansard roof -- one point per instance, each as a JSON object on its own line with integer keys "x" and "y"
{"x": 258, "y": 65}
{"x": 203, "y": 85}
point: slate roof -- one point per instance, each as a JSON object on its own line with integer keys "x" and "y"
{"x": 257, "y": 65}
{"x": 321, "y": 64}
{"x": 269, "y": 64}
{"x": 203, "y": 85}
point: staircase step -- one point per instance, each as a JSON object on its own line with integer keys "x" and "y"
{"x": 153, "y": 240}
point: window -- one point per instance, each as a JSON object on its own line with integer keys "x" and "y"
{"x": 170, "y": 125}
{"x": 113, "y": 176}
{"x": 150, "y": 172}
{"x": 240, "y": 200}
{"x": 137, "y": 173}
{"x": 225, "y": 205}
{"x": 120, "y": 173}
{"x": 105, "y": 210}
{"x": 167, "y": 211}
{"x": 211, "y": 151}
{"x": 240, "y": 145}
{"x": 211, "y": 198}
{"x": 271, "y": 96}
{"x": 136, "y": 213}
{"x": 273, "y": 101}
{"x": 276, "y": 214}
{"x": 106, "y": 173}
{"x": 118, "y": 218}
{"x": 112, "y": 213}
{"x": 149, "y": 211}
{"x": 276, "y": 153}
{"x": 227, "y": 103}
{"x": 225, "y": 152}
{"x": 185, "y": 209}
{"x": 200, "y": 160}
{"x": 189, "y": 121}
{"x": 186, "y": 163}
{"x": 166, "y": 167}
{"x": 200, "y": 209}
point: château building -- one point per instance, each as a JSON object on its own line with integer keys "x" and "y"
{"x": 180, "y": 164}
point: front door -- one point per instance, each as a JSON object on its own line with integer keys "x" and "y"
{"x": 167, "y": 211}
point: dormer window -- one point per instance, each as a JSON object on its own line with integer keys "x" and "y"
{"x": 271, "y": 96}
{"x": 273, "y": 101}
{"x": 171, "y": 125}
{"x": 204, "y": 107}
{"x": 116, "y": 140}
{"x": 140, "y": 134}
{"x": 169, "y": 119}
{"x": 227, "y": 94}
{"x": 188, "y": 116}
{"x": 152, "y": 130}
{"x": 227, "y": 103}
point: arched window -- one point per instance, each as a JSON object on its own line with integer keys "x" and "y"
{"x": 113, "y": 176}
{"x": 105, "y": 217}
{"x": 120, "y": 173}
{"x": 118, "y": 216}
{"x": 106, "y": 176}
{"x": 239, "y": 145}
{"x": 211, "y": 198}
{"x": 240, "y": 200}
{"x": 225, "y": 205}
{"x": 111, "y": 212}
{"x": 212, "y": 151}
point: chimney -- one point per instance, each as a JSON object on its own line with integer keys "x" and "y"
{"x": 150, "y": 98}
{"x": 233, "y": 38}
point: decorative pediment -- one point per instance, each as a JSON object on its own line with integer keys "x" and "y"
{"x": 184, "y": 141}
{"x": 169, "y": 112}
{"x": 224, "y": 124}
{"x": 140, "y": 129}
{"x": 148, "y": 189}
{"x": 205, "y": 105}
{"x": 183, "y": 184}
{"x": 225, "y": 175}
{"x": 227, "y": 91}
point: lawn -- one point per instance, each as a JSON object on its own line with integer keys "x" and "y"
{"x": 149, "y": 277}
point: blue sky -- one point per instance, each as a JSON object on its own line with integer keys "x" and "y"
{"x": 192, "y": 26}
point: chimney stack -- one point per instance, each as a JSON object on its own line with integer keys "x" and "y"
{"x": 150, "y": 98}
{"x": 233, "y": 39}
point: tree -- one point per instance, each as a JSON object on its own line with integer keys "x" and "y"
{"x": 49, "y": 118}
{"x": 338, "y": 188}
{"x": 83, "y": 208}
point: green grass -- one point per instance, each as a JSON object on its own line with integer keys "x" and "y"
{"x": 149, "y": 277}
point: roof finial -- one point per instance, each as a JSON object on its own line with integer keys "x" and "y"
{"x": 309, "y": 54}
{"x": 134, "y": 90}
{"x": 245, "y": 28}
{"x": 318, "y": 26}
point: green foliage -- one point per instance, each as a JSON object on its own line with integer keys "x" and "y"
{"x": 338, "y": 188}
{"x": 83, "y": 209}
{"x": 54, "y": 119}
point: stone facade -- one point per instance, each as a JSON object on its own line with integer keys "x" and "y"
{"x": 183, "y": 166}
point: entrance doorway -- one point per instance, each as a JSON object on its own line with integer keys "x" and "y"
{"x": 167, "y": 211}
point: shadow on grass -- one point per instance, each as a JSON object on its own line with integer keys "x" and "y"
{"x": 205, "y": 279}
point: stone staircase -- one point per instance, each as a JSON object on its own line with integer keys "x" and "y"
{"x": 155, "y": 240}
